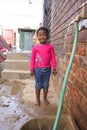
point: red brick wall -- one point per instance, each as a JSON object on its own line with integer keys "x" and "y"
{"x": 63, "y": 13}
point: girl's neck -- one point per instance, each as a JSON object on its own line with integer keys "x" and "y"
{"x": 43, "y": 43}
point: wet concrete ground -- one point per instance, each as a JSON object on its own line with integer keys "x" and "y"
{"x": 17, "y": 103}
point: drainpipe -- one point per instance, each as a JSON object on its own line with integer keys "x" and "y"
{"x": 78, "y": 26}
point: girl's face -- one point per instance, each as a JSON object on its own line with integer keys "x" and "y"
{"x": 42, "y": 36}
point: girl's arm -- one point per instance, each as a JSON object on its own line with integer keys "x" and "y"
{"x": 53, "y": 59}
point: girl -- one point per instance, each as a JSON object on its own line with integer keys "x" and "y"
{"x": 42, "y": 62}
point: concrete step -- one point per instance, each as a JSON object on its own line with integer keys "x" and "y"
{"x": 18, "y": 55}
{"x": 15, "y": 74}
{"x": 16, "y": 64}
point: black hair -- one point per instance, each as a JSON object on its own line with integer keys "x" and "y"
{"x": 44, "y": 29}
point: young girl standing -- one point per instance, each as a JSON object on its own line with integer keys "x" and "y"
{"x": 42, "y": 62}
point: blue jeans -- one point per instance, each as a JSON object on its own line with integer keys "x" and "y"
{"x": 42, "y": 76}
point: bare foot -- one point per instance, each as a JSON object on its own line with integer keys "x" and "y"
{"x": 46, "y": 102}
{"x": 37, "y": 103}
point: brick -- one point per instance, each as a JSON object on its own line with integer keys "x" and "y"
{"x": 80, "y": 73}
{"x": 83, "y": 61}
{"x": 77, "y": 108}
{"x": 81, "y": 49}
{"x": 82, "y": 36}
{"x": 83, "y": 118}
{"x": 79, "y": 84}
{"x": 76, "y": 60}
{"x": 86, "y": 49}
{"x": 69, "y": 39}
{"x": 76, "y": 96}
{"x": 79, "y": 119}
{"x": 82, "y": 111}
{"x": 80, "y": 61}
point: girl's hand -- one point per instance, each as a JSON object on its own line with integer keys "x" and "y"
{"x": 32, "y": 73}
{"x": 54, "y": 72}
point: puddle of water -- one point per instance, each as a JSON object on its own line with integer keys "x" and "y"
{"x": 3, "y": 127}
{"x": 39, "y": 124}
{"x": 8, "y": 106}
{"x": 46, "y": 123}
{"x": 12, "y": 112}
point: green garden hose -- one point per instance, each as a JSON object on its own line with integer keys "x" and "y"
{"x": 56, "y": 123}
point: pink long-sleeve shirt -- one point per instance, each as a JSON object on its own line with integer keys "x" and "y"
{"x": 43, "y": 56}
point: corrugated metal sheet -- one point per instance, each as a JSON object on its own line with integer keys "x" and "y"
{"x": 26, "y": 38}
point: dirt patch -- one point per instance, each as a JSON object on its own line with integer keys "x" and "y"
{"x": 17, "y": 103}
